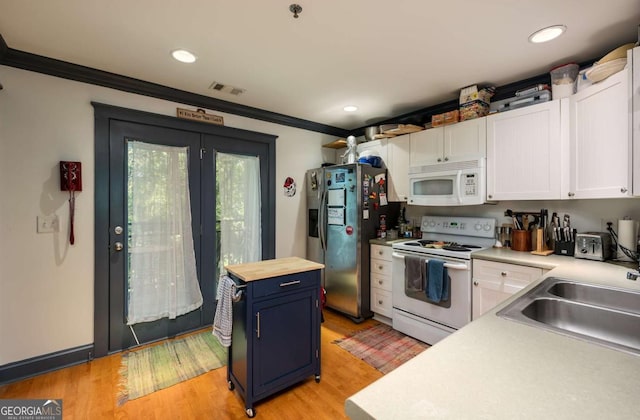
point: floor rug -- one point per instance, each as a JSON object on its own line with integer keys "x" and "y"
{"x": 382, "y": 347}
{"x": 150, "y": 369}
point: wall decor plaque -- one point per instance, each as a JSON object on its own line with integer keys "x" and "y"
{"x": 199, "y": 115}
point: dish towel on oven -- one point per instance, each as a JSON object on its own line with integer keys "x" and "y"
{"x": 414, "y": 272}
{"x": 437, "y": 281}
{"x": 223, "y": 320}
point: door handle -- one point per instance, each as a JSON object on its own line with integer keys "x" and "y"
{"x": 258, "y": 322}
{"x": 118, "y": 246}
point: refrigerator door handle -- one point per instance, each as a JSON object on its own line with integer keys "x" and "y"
{"x": 322, "y": 221}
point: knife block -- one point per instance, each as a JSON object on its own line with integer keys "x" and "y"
{"x": 538, "y": 238}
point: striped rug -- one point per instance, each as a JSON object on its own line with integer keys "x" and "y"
{"x": 160, "y": 366}
{"x": 382, "y": 347}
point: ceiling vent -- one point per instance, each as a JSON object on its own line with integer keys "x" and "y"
{"x": 220, "y": 87}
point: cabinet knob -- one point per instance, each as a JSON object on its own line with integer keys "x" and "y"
{"x": 380, "y": 267}
{"x": 439, "y": 160}
{"x": 379, "y": 302}
{"x": 623, "y": 190}
{"x": 475, "y": 283}
{"x": 503, "y": 273}
{"x": 380, "y": 282}
{"x": 446, "y": 159}
{"x": 490, "y": 196}
{"x": 380, "y": 252}
{"x": 571, "y": 194}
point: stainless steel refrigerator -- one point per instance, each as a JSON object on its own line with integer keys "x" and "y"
{"x": 344, "y": 205}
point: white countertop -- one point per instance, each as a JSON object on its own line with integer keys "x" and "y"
{"x": 499, "y": 369}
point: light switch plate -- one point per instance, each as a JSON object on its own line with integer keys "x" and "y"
{"x": 48, "y": 224}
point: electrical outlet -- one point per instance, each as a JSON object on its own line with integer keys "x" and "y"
{"x": 48, "y": 224}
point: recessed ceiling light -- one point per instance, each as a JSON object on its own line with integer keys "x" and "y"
{"x": 183, "y": 56}
{"x": 350, "y": 108}
{"x": 547, "y": 34}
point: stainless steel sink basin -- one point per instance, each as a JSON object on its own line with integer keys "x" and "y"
{"x": 623, "y": 300}
{"x": 598, "y": 314}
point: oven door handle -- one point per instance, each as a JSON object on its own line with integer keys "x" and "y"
{"x": 448, "y": 265}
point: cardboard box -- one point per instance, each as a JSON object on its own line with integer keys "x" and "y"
{"x": 474, "y": 109}
{"x": 472, "y": 94}
{"x": 450, "y": 117}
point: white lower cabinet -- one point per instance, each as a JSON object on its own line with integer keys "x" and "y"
{"x": 380, "y": 279}
{"x": 494, "y": 282}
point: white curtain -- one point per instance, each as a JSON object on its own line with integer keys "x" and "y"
{"x": 238, "y": 207}
{"x": 163, "y": 279}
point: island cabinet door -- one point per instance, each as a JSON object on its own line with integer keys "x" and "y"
{"x": 286, "y": 340}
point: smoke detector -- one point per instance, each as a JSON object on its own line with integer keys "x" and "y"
{"x": 221, "y": 87}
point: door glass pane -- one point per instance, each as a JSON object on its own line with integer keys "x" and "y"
{"x": 238, "y": 209}
{"x": 162, "y": 275}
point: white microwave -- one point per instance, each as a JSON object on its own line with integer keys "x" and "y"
{"x": 461, "y": 183}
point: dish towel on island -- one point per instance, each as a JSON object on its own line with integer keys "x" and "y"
{"x": 226, "y": 294}
{"x": 414, "y": 272}
{"x": 437, "y": 281}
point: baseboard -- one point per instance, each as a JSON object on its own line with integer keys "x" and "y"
{"x": 46, "y": 363}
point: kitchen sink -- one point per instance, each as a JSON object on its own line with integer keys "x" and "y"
{"x": 623, "y": 300}
{"x": 599, "y": 314}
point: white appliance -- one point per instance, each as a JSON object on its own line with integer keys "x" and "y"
{"x": 452, "y": 240}
{"x": 633, "y": 59}
{"x": 448, "y": 184}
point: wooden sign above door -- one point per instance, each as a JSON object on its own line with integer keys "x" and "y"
{"x": 199, "y": 115}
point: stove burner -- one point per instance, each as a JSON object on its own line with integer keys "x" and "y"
{"x": 457, "y": 248}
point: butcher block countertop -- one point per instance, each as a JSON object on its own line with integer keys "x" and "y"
{"x": 272, "y": 268}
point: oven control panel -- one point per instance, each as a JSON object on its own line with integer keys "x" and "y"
{"x": 468, "y": 226}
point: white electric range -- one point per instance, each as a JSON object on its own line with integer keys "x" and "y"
{"x": 451, "y": 240}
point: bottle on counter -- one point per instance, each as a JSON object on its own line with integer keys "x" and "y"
{"x": 402, "y": 222}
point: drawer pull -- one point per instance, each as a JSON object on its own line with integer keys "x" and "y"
{"x": 380, "y": 253}
{"x": 503, "y": 274}
{"x": 289, "y": 283}
{"x": 475, "y": 283}
{"x": 380, "y": 282}
{"x": 380, "y": 267}
{"x": 379, "y": 302}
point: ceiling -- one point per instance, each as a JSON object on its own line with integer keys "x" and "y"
{"x": 388, "y": 58}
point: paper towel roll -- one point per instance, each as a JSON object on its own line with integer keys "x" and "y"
{"x": 627, "y": 237}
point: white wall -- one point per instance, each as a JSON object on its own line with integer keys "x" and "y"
{"x": 46, "y": 285}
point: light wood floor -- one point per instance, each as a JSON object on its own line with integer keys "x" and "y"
{"x": 89, "y": 390}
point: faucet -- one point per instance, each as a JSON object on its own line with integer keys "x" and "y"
{"x": 634, "y": 275}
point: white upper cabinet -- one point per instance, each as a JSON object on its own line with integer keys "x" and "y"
{"x": 524, "y": 152}
{"x": 398, "y": 151}
{"x": 461, "y": 141}
{"x": 600, "y": 140}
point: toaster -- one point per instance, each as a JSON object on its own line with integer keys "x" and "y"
{"x": 593, "y": 246}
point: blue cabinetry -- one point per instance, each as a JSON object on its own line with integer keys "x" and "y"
{"x": 276, "y": 334}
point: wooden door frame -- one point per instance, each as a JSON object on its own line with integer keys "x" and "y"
{"x": 103, "y": 115}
